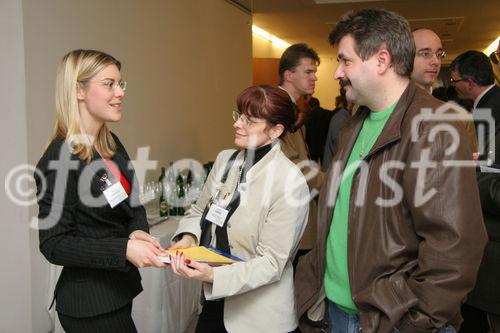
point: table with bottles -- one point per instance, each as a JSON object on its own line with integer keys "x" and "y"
{"x": 168, "y": 303}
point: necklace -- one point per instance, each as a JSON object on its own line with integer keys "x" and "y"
{"x": 240, "y": 172}
{"x": 376, "y": 123}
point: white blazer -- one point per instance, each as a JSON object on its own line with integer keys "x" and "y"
{"x": 264, "y": 231}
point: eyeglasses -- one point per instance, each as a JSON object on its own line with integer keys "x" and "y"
{"x": 110, "y": 84}
{"x": 453, "y": 81}
{"x": 244, "y": 119}
{"x": 427, "y": 54}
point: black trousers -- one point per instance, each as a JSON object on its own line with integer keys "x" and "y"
{"x": 211, "y": 319}
{"x": 118, "y": 321}
{"x": 475, "y": 320}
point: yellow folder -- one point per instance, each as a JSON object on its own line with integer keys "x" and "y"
{"x": 211, "y": 256}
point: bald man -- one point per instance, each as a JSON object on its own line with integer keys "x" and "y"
{"x": 426, "y": 66}
{"x": 428, "y": 57}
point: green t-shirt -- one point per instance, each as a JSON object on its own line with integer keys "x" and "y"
{"x": 336, "y": 279}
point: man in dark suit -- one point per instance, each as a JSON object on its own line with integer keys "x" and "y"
{"x": 473, "y": 78}
{"x": 472, "y": 75}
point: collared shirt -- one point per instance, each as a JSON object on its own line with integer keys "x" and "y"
{"x": 478, "y": 98}
{"x": 293, "y": 99}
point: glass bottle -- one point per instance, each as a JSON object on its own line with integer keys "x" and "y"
{"x": 163, "y": 198}
{"x": 180, "y": 195}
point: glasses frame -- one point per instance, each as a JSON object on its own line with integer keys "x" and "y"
{"x": 453, "y": 81}
{"x": 111, "y": 85}
{"x": 237, "y": 115}
{"x": 427, "y": 54}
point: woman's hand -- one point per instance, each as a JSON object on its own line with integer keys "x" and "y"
{"x": 143, "y": 253}
{"x": 190, "y": 269}
{"x": 144, "y": 236}
{"x": 187, "y": 240}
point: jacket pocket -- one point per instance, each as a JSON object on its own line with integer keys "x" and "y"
{"x": 404, "y": 298}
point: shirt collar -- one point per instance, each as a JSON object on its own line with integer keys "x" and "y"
{"x": 293, "y": 99}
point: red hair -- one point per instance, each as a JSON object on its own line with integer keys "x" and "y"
{"x": 269, "y": 103}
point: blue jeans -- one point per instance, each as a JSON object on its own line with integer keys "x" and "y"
{"x": 343, "y": 322}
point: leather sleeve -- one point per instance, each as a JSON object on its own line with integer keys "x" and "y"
{"x": 443, "y": 201}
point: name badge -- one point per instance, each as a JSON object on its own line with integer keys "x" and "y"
{"x": 115, "y": 194}
{"x": 217, "y": 215}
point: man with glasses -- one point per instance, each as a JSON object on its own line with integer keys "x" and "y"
{"x": 428, "y": 57}
{"x": 472, "y": 75}
{"x": 426, "y": 67}
{"x": 473, "y": 78}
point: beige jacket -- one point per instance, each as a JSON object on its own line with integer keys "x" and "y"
{"x": 264, "y": 231}
{"x": 294, "y": 147}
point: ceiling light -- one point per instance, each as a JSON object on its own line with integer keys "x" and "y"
{"x": 266, "y": 35}
{"x": 492, "y": 47}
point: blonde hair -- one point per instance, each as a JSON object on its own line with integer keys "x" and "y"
{"x": 78, "y": 67}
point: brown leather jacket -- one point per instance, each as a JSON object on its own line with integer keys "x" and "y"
{"x": 413, "y": 261}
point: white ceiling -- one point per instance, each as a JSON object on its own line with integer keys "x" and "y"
{"x": 461, "y": 24}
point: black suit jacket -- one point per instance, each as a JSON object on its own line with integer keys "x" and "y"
{"x": 90, "y": 241}
{"x": 486, "y": 293}
{"x": 316, "y": 132}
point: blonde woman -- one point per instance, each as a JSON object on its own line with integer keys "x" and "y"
{"x": 89, "y": 218}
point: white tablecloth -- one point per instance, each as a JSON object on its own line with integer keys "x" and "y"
{"x": 168, "y": 303}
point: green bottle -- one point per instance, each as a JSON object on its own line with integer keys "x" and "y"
{"x": 163, "y": 199}
{"x": 180, "y": 195}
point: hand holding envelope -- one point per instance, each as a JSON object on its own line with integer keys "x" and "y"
{"x": 195, "y": 262}
{"x": 191, "y": 269}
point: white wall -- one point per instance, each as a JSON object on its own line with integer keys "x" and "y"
{"x": 15, "y": 312}
{"x": 185, "y": 61}
{"x": 326, "y": 87}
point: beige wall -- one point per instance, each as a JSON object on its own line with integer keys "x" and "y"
{"x": 15, "y": 312}
{"x": 326, "y": 87}
{"x": 185, "y": 62}
{"x": 262, "y": 48}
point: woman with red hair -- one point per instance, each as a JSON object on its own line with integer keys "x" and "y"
{"x": 264, "y": 199}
